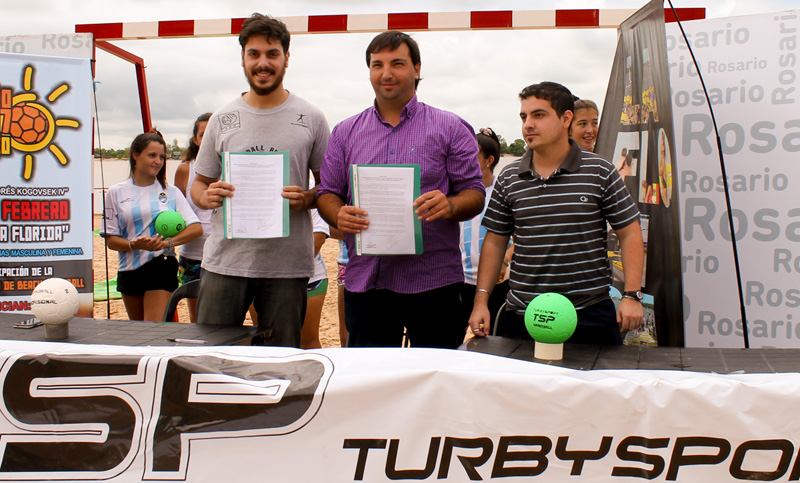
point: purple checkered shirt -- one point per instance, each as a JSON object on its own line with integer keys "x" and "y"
{"x": 444, "y": 146}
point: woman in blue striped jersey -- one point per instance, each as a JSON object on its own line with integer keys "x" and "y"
{"x": 147, "y": 265}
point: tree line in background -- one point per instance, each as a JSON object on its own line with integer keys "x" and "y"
{"x": 517, "y": 148}
{"x": 174, "y": 151}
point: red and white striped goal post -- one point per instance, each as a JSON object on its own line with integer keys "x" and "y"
{"x": 354, "y": 23}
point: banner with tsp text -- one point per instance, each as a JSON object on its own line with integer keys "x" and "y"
{"x": 750, "y": 68}
{"x": 245, "y": 414}
{"x": 45, "y": 193}
{"x": 637, "y": 136}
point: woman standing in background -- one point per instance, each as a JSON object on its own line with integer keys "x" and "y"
{"x": 191, "y": 254}
{"x": 585, "y": 124}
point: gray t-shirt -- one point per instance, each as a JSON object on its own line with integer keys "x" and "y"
{"x": 295, "y": 126}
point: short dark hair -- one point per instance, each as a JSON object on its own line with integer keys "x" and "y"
{"x": 269, "y": 27}
{"x": 392, "y": 39}
{"x": 560, "y": 98}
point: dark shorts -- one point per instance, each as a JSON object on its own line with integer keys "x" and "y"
{"x": 160, "y": 273}
{"x": 188, "y": 269}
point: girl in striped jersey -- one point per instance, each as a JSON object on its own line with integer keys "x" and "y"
{"x": 147, "y": 265}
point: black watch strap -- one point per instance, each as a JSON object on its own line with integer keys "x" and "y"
{"x": 635, "y": 294}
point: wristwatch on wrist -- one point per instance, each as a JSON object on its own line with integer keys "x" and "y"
{"x": 635, "y": 295}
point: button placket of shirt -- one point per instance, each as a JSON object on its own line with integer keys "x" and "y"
{"x": 391, "y": 157}
{"x": 542, "y": 184}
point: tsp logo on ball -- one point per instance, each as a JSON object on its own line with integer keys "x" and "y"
{"x": 27, "y": 125}
{"x": 542, "y": 318}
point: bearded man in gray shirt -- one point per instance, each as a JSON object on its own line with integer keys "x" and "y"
{"x": 272, "y": 273}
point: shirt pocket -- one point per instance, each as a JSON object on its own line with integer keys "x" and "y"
{"x": 433, "y": 171}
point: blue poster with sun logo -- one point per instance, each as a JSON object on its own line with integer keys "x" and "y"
{"x": 45, "y": 189}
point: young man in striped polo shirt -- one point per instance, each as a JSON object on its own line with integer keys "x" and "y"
{"x": 556, "y": 201}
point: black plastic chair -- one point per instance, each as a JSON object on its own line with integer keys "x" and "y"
{"x": 188, "y": 290}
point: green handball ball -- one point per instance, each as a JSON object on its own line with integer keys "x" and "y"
{"x": 550, "y": 318}
{"x": 169, "y": 223}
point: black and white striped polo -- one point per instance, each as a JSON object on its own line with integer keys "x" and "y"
{"x": 560, "y": 226}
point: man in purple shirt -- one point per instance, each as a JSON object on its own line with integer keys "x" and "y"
{"x": 386, "y": 293}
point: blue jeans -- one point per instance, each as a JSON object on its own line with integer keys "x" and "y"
{"x": 280, "y": 304}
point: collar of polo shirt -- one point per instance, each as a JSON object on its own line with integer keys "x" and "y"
{"x": 570, "y": 164}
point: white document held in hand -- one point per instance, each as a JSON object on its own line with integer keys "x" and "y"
{"x": 256, "y": 209}
{"x": 387, "y": 193}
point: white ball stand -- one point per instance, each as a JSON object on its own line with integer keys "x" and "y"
{"x": 548, "y": 352}
{"x": 56, "y": 331}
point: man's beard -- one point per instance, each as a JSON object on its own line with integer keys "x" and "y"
{"x": 265, "y": 91}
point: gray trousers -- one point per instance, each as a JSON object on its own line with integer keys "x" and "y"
{"x": 280, "y": 304}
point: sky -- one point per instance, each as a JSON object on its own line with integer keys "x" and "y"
{"x": 476, "y": 74}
